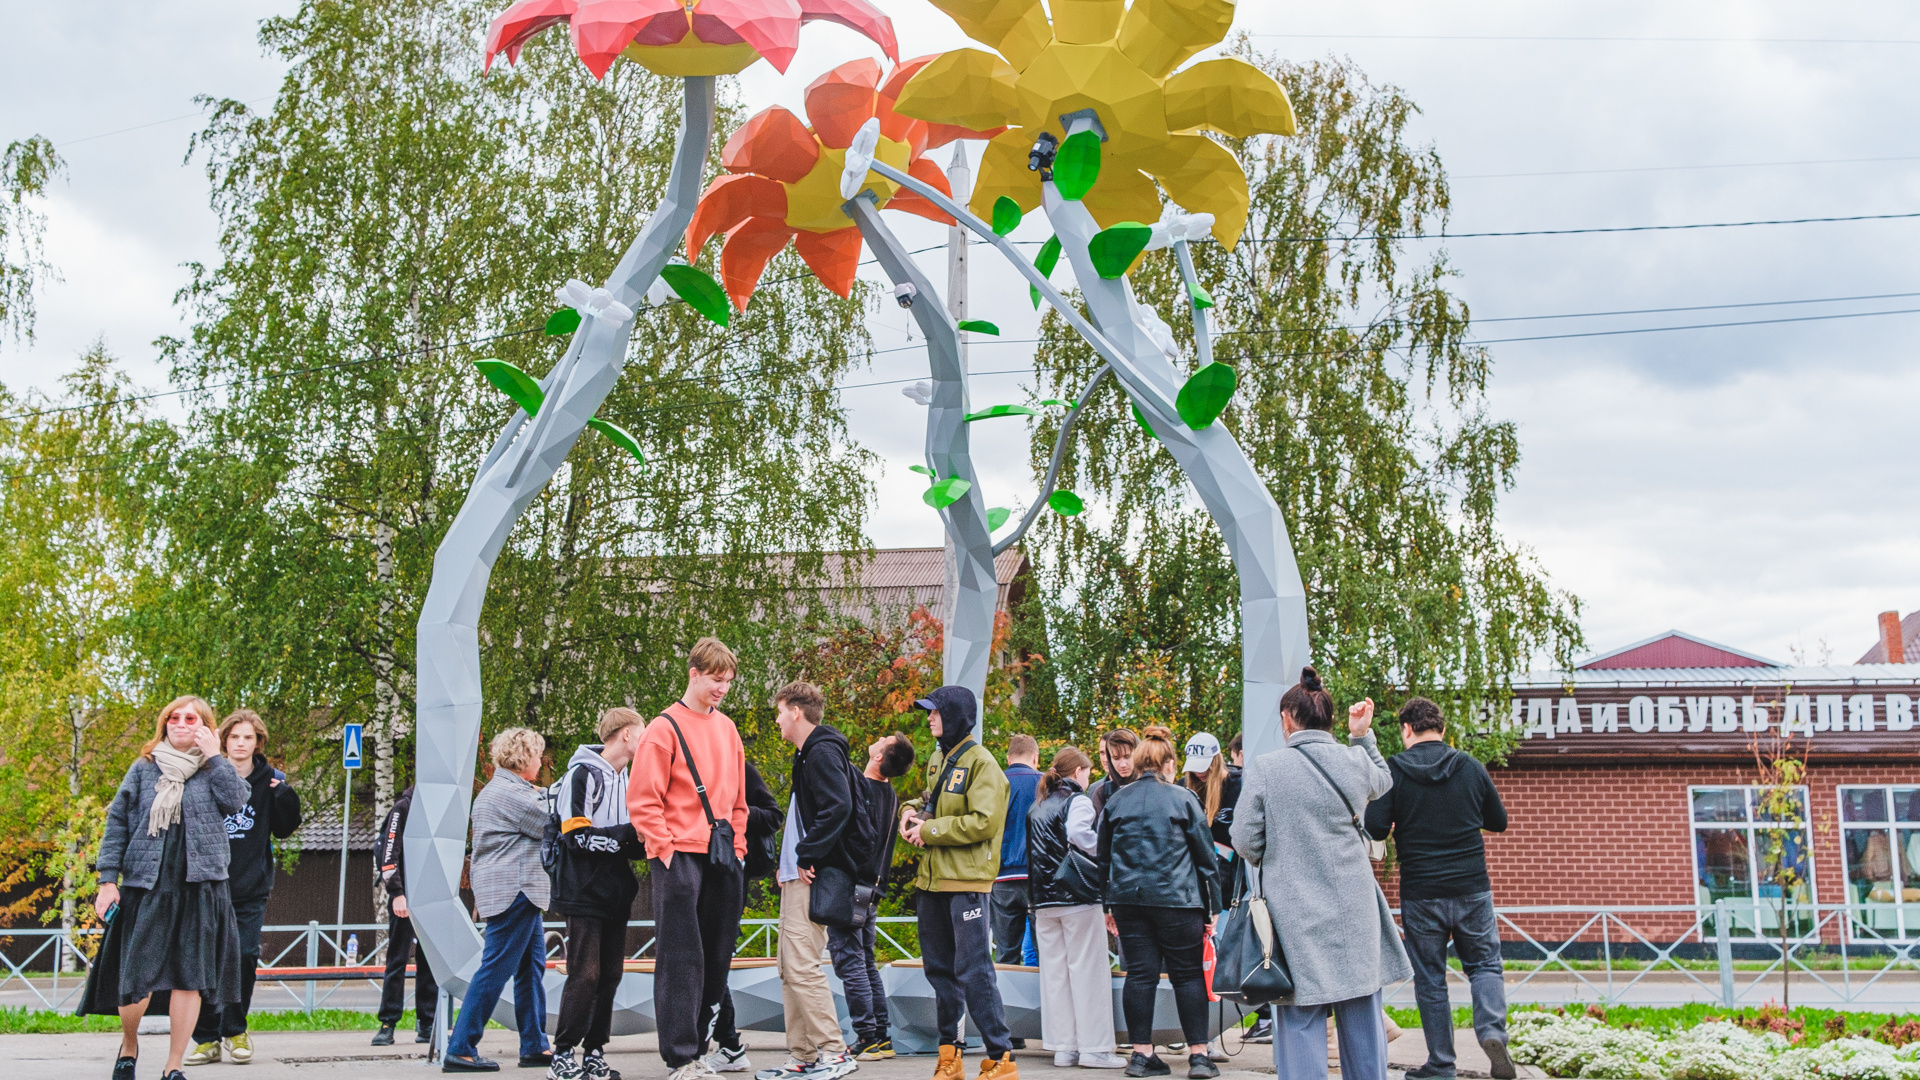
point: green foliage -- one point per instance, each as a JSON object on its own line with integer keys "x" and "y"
{"x": 1364, "y": 407}
{"x": 1006, "y": 216}
{"x": 26, "y": 168}
{"x": 1077, "y": 165}
{"x": 1205, "y": 395}
{"x": 562, "y": 322}
{"x": 699, "y": 290}
{"x": 996, "y": 517}
{"x": 944, "y": 493}
{"x": 1045, "y": 261}
{"x": 979, "y": 326}
{"x": 1140, "y": 418}
{"x": 1066, "y": 503}
{"x": 992, "y": 411}
{"x": 1113, "y": 250}
{"x": 1201, "y": 298}
{"x": 522, "y": 388}
{"x": 620, "y": 437}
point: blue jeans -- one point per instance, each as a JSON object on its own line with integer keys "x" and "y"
{"x": 1469, "y": 922}
{"x": 513, "y": 949}
{"x": 1300, "y": 1039}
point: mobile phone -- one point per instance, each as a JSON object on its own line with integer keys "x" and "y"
{"x": 112, "y": 910}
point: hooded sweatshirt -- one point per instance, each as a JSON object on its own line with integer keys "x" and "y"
{"x": 594, "y": 877}
{"x": 1440, "y": 802}
{"x": 272, "y": 811}
{"x": 824, "y": 816}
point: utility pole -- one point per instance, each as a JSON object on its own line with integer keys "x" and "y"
{"x": 960, "y": 180}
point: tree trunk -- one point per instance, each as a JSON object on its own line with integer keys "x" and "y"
{"x": 386, "y": 710}
{"x": 77, "y": 725}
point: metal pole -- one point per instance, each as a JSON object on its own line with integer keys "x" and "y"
{"x": 340, "y": 908}
{"x": 313, "y": 957}
{"x": 960, "y": 180}
{"x": 1723, "y": 944}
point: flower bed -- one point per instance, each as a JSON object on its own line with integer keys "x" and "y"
{"x": 1582, "y": 1046}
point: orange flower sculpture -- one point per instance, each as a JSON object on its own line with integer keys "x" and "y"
{"x": 683, "y": 37}
{"x": 784, "y": 178}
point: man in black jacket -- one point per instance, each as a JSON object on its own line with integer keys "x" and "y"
{"x": 821, "y": 832}
{"x": 1441, "y": 801}
{"x": 888, "y": 758}
{"x": 593, "y": 887}
{"x": 393, "y": 988}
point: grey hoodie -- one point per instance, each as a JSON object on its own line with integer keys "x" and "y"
{"x": 595, "y": 875}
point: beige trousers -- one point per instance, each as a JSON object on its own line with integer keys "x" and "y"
{"x": 812, "y": 1026}
{"x": 1076, "y": 980}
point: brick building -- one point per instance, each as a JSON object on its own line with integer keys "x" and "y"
{"x": 1635, "y": 784}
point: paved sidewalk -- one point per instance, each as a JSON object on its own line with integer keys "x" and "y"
{"x": 347, "y": 1055}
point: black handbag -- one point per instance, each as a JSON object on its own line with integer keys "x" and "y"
{"x": 1078, "y": 876}
{"x": 763, "y": 855}
{"x": 1249, "y": 966}
{"x": 831, "y": 901}
{"x": 720, "y": 853}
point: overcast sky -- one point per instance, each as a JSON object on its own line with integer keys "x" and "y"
{"x": 1752, "y": 485}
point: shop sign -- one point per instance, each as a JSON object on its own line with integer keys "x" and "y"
{"x": 1630, "y": 721}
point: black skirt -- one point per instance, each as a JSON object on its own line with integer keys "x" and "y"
{"x": 178, "y": 935}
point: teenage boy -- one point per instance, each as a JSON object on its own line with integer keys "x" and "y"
{"x": 889, "y": 757}
{"x": 1011, "y": 913}
{"x": 958, "y": 822}
{"x": 817, "y": 837}
{"x": 698, "y": 896}
{"x": 393, "y": 988}
{"x": 1440, "y": 802}
{"x": 594, "y": 887}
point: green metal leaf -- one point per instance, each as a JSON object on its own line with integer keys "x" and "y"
{"x": 980, "y": 326}
{"x": 1006, "y": 215}
{"x": 1065, "y": 503}
{"x": 945, "y": 493}
{"x": 1140, "y": 419}
{"x": 701, "y": 292}
{"x": 564, "y": 321}
{"x": 523, "y": 388}
{"x": 1077, "y": 165}
{"x": 922, "y": 470}
{"x": 1001, "y": 410}
{"x": 996, "y": 517}
{"x": 619, "y": 436}
{"x": 1049, "y": 256}
{"x": 1206, "y": 394}
{"x": 1034, "y": 291}
{"x": 1056, "y": 401}
{"x": 1113, "y": 250}
{"x": 1201, "y": 298}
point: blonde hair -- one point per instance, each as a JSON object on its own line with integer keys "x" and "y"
{"x": 616, "y": 720}
{"x": 710, "y": 656}
{"x": 516, "y": 748}
{"x": 249, "y": 718}
{"x": 1155, "y": 750}
{"x": 196, "y": 703}
{"x": 1210, "y": 786}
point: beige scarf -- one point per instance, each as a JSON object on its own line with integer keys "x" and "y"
{"x": 175, "y": 767}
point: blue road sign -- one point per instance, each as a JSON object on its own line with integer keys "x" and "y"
{"x": 350, "y": 747}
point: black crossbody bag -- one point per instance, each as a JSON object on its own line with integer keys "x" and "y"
{"x": 720, "y": 853}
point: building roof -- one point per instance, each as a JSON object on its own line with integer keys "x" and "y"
{"x": 1675, "y": 649}
{"x": 320, "y": 830}
{"x": 1909, "y": 633}
{"x": 1743, "y": 675}
{"x": 892, "y": 582}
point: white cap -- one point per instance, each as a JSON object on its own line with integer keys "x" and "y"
{"x": 1202, "y": 748}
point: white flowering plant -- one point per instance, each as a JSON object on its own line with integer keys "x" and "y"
{"x": 1586, "y": 1047}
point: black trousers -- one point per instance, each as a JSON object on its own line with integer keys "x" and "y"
{"x": 953, "y": 947}
{"x": 1011, "y": 913}
{"x": 697, "y": 906}
{"x": 393, "y": 987}
{"x": 226, "y": 1021}
{"x": 1161, "y": 939}
{"x": 596, "y": 959}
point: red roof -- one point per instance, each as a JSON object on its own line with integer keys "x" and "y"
{"x": 1909, "y": 633}
{"x": 1674, "y": 649}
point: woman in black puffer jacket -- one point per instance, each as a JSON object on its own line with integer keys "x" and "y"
{"x": 1162, "y": 889}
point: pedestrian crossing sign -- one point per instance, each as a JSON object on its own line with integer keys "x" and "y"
{"x": 350, "y": 747}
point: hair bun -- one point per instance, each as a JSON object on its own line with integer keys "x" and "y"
{"x": 1309, "y": 679}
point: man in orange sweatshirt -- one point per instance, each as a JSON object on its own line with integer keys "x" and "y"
{"x": 697, "y": 890}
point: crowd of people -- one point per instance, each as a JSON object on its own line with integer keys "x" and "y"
{"x": 1016, "y": 864}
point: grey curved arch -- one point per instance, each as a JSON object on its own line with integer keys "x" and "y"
{"x": 518, "y": 466}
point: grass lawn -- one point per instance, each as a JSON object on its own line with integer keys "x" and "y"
{"x": 1813, "y": 1026}
{"x": 21, "y": 1021}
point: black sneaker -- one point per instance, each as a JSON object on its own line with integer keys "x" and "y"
{"x": 1429, "y": 1071}
{"x": 423, "y": 1035}
{"x": 1201, "y": 1067}
{"x": 175, "y": 1075}
{"x": 123, "y": 1068}
{"x": 384, "y": 1037}
{"x": 541, "y": 1060}
{"x": 1142, "y": 1065}
{"x": 564, "y": 1067}
{"x": 1500, "y": 1063}
{"x": 596, "y": 1067}
{"x": 1260, "y": 1032}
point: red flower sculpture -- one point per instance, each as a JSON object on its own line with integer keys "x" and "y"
{"x": 672, "y": 37}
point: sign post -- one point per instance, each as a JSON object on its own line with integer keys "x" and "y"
{"x": 349, "y": 761}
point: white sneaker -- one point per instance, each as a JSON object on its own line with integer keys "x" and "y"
{"x": 841, "y": 1063}
{"x": 1066, "y": 1059}
{"x": 1106, "y": 1060}
{"x": 827, "y": 1067}
{"x": 723, "y": 1060}
{"x": 693, "y": 1070}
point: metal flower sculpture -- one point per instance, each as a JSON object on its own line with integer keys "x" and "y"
{"x": 672, "y": 37}
{"x": 784, "y": 178}
{"x": 1115, "y": 63}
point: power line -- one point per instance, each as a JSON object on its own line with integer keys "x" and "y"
{"x": 1610, "y": 39}
{"x": 1574, "y": 232}
{"x": 1681, "y": 168}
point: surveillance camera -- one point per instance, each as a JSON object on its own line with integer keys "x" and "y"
{"x": 1040, "y": 158}
{"x": 904, "y": 293}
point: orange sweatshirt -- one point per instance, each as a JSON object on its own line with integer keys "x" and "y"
{"x": 661, "y": 800}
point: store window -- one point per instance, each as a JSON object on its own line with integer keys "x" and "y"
{"x": 1754, "y": 849}
{"x": 1881, "y": 831}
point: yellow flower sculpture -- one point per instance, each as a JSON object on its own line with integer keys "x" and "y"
{"x": 1118, "y": 62}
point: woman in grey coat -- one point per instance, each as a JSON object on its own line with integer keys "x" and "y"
{"x": 1299, "y": 825}
{"x": 163, "y": 885}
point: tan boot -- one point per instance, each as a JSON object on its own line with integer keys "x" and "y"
{"x": 950, "y": 1067}
{"x": 1002, "y": 1069}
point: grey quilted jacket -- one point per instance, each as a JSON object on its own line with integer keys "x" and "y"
{"x": 131, "y": 858}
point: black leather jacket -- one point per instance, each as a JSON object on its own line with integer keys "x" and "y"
{"x": 1047, "y": 845}
{"x": 1156, "y": 850}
